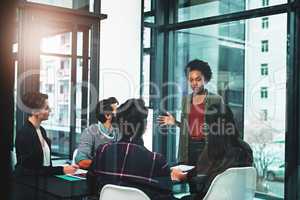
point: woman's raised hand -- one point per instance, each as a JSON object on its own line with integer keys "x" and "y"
{"x": 166, "y": 120}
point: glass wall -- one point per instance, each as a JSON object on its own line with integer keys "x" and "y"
{"x": 248, "y": 57}
{"x": 233, "y": 50}
{"x": 56, "y": 81}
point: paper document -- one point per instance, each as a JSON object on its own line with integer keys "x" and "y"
{"x": 184, "y": 168}
{"x": 80, "y": 173}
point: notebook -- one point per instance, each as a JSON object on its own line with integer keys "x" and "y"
{"x": 80, "y": 173}
{"x": 184, "y": 168}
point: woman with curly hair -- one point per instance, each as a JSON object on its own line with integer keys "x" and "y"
{"x": 193, "y": 112}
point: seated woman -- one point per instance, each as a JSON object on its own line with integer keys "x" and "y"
{"x": 98, "y": 133}
{"x": 33, "y": 147}
{"x": 224, "y": 149}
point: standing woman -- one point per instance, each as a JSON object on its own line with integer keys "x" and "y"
{"x": 33, "y": 147}
{"x": 193, "y": 112}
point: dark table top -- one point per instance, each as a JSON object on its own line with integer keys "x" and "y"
{"x": 56, "y": 186}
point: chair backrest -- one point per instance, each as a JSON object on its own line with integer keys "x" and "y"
{"x": 110, "y": 192}
{"x": 233, "y": 184}
{"x": 74, "y": 155}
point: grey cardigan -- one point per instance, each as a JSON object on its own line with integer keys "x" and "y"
{"x": 90, "y": 140}
{"x": 210, "y": 99}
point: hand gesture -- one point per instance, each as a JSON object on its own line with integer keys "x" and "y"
{"x": 70, "y": 169}
{"x": 166, "y": 120}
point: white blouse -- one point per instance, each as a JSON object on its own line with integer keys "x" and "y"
{"x": 46, "y": 149}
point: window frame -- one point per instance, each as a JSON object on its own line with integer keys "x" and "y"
{"x": 264, "y": 46}
{"x": 265, "y": 23}
{"x": 31, "y": 13}
{"x": 264, "y": 69}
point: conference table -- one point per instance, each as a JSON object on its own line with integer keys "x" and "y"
{"x": 49, "y": 188}
{"x": 61, "y": 187}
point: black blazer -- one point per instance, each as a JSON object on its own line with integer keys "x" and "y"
{"x": 30, "y": 153}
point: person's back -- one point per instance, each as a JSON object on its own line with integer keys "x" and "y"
{"x": 234, "y": 156}
{"x": 224, "y": 149}
{"x": 128, "y": 162}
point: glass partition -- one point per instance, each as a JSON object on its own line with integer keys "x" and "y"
{"x": 258, "y": 100}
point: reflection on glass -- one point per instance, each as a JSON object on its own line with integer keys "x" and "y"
{"x": 147, "y": 136}
{"x": 15, "y": 98}
{"x": 58, "y": 44}
{"x": 59, "y": 141}
{"x": 78, "y": 95}
{"x": 149, "y": 19}
{"x": 146, "y": 79}
{"x": 15, "y": 48}
{"x": 86, "y": 5}
{"x": 147, "y": 37}
{"x": 233, "y": 51}
{"x": 195, "y": 9}
{"x": 147, "y": 5}
{"x": 79, "y": 43}
{"x": 55, "y": 76}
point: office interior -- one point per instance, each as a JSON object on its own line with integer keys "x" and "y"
{"x": 80, "y": 51}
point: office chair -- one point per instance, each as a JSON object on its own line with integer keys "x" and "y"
{"x": 233, "y": 184}
{"x": 74, "y": 155}
{"x": 111, "y": 191}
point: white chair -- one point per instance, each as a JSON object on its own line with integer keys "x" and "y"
{"x": 74, "y": 155}
{"x": 111, "y": 192}
{"x": 233, "y": 184}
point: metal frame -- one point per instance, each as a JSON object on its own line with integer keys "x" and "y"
{"x": 292, "y": 146}
{"x": 6, "y": 91}
{"x": 247, "y": 14}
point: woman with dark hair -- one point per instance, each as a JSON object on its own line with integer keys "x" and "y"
{"x": 33, "y": 147}
{"x": 224, "y": 149}
{"x": 98, "y": 133}
{"x": 193, "y": 112}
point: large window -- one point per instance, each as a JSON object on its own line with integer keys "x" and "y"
{"x": 56, "y": 58}
{"x": 248, "y": 58}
